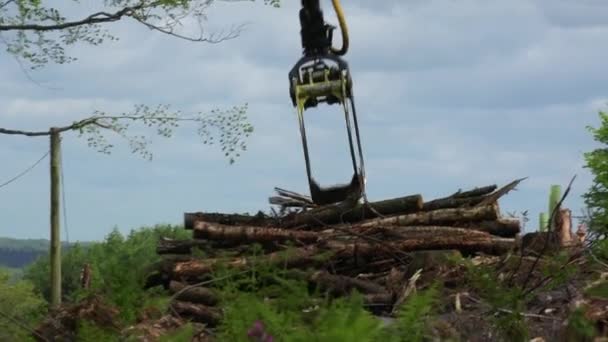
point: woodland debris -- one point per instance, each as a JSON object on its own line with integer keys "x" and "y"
{"x": 378, "y": 249}
{"x": 197, "y": 312}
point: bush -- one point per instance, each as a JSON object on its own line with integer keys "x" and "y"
{"x": 118, "y": 267}
{"x": 19, "y": 302}
{"x": 596, "y": 198}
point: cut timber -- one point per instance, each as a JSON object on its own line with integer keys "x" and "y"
{"x": 290, "y": 258}
{"x": 484, "y": 190}
{"x": 343, "y": 285}
{"x": 437, "y": 217}
{"x": 465, "y": 243}
{"x": 169, "y": 246}
{"x": 452, "y": 202}
{"x": 420, "y": 232}
{"x": 197, "y": 312}
{"x": 288, "y": 198}
{"x": 219, "y": 232}
{"x": 378, "y": 299}
{"x": 471, "y": 198}
{"x": 258, "y": 220}
{"x": 493, "y": 197}
{"x": 332, "y": 214}
{"x": 503, "y": 227}
{"x": 198, "y": 295}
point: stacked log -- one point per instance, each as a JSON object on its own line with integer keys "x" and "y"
{"x": 339, "y": 248}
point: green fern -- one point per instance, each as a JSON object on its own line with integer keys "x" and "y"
{"x": 414, "y": 317}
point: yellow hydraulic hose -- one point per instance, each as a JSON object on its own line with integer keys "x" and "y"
{"x": 343, "y": 29}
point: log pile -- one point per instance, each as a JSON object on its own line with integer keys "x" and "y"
{"x": 373, "y": 248}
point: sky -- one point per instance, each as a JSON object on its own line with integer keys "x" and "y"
{"x": 450, "y": 95}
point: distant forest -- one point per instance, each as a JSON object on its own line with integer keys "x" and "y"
{"x": 17, "y": 253}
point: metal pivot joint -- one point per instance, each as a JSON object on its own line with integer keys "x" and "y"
{"x": 321, "y": 76}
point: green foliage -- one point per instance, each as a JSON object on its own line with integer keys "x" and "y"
{"x": 228, "y": 128}
{"x": 118, "y": 267}
{"x": 90, "y": 332}
{"x": 596, "y": 197}
{"x": 599, "y": 290}
{"x": 579, "y": 327}
{"x": 342, "y": 319}
{"x": 557, "y": 270}
{"x": 183, "y": 334}
{"x": 72, "y": 261}
{"x": 506, "y": 302}
{"x": 21, "y": 307}
{"x": 414, "y": 317}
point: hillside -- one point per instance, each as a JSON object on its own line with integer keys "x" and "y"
{"x": 17, "y": 253}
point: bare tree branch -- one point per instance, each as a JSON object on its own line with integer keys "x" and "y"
{"x": 96, "y": 18}
{"x": 6, "y": 3}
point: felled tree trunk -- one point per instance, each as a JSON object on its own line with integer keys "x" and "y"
{"x": 258, "y": 220}
{"x": 471, "y": 198}
{"x": 484, "y": 190}
{"x": 337, "y": 213}
{"x": 219, "y": 232}
{"x": 199, "y": 295}
{"x": 502, "y": 227}
{"x": 452, "y": 202}
{"x": 198, "y": 312}
{"x": 466, "y": 243}
{"x": 437, "y": 217}
{"x": 295, "y": 257}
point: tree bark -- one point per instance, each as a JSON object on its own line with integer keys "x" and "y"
{"x": 295, "y": 257}
{"x": 219, "y": 232}
{"x": 198, "y": 312}
{"x": 466, "y": 243}
{"x": 503, "y": 227}
{"x": 258, "y": 220}
{"x": 437, "y": 217}
{"x": 199, "y": 295}
{"x": 484, "y": 190}
{"x": 452, "y": 202}
{"x": 333, "y": 214}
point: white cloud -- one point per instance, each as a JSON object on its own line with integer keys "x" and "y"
{"x": 449, "y": 95}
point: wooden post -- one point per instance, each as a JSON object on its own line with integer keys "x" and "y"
{"x": 55, "y": 249}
